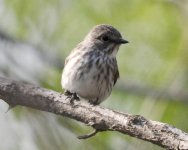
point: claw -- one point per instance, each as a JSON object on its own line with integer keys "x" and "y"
{"x": 71, "y": 96}
{"x": 74, "y": 97}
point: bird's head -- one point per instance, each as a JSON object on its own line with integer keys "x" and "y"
{"x": 105, "y": 38}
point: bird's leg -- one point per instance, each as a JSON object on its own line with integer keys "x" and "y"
{"x": 67, "y": 93}
{"x": 72, "y": 96}
{"x": 95, "y": 102}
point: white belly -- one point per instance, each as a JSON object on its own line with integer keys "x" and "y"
{"x": 90, "y": 85}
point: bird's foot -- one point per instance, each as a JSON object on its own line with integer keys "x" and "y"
{"x": 71, "y": 96}
{"x": 94, "y": 102}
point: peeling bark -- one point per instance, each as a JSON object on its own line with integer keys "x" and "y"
{"x": 161, "y": 134}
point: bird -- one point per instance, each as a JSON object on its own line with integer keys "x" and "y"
{"x": 91, "y": 69}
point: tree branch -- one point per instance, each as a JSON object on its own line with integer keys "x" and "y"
{"x": 103, "y": 119}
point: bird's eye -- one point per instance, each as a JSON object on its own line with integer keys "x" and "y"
{"x": 105, "y": 38}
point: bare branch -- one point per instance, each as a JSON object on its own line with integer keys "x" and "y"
{"x": 162, "y": 134}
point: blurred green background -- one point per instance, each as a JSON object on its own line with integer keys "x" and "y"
{"x": 37, "y": 35}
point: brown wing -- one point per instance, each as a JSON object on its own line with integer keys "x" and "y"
{"x": 116, "y": 76}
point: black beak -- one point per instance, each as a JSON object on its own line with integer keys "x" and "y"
{"x": 122, "y": 41}
{"x": 119, "y": 41}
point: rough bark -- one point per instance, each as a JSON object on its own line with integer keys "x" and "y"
{"x": 162, "y": 134}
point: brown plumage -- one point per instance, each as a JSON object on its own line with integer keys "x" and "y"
{"x": 91, "y": 68}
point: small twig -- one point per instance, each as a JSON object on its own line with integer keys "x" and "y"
{"x": 86, "y": 136}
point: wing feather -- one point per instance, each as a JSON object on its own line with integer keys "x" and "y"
{"x": 116, "y": 76}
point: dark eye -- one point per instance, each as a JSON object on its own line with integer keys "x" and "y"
{"x": 105, "y": 38}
